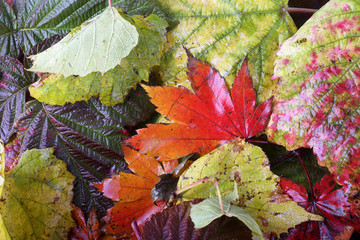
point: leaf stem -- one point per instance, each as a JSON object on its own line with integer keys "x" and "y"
{"x": 110, "y": 3}
{"x": 136, "y": 230}
{"x": 219, "y": 195}
{"x": 204, "y": 180}
{"x": 297, "y": 152}
{"x": 259, "y": 141}
{"x": 289, "y": 155}
{"x": 300, "y": 10}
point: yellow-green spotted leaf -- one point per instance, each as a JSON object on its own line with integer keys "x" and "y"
{"x": 98, "y": 45}
{"x": 36, "y": 197}
{"x": 222, "y": 33}
{"x": 3, "y": 231}
{"x": 113, "y": 86}
{"x": 258, "y": 190}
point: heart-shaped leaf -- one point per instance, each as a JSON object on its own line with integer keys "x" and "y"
{"x": 98, "y": 45}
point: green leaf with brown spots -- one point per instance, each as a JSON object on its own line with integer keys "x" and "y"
{"x": 36, "y": 197}
{"x": 114, "y": 85}
{"x": 258, "y": 190}
{"x": 317, "y": 99}
{"x": 222, "y": 33}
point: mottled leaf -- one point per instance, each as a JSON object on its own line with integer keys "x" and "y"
{"x": 223, "y": 33}
{"x": 132, "y": 193}
{"x": 85, "y": 230}
{"x": 317, "y": 98}
{"x": 36, "y": 197}
{"x": 98, "y": 45}
{"x": 114, "y": 85}
{"x": 14, "y": 82}
{"x": 204, "y": 119}
{"x": 31, "y": 21}
{"x": 259, "y": 194}
{"x": 85, "y": 135}
{"x": 332, "y": 205}
{"x": 174, "y": 223}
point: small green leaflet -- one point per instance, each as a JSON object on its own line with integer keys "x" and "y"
{"x": 202, "y": 214}
{"x": 96, "y": 46}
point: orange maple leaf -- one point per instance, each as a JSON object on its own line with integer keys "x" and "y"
{"x": 132, "y": 193}
{"x": 202, "y": 119}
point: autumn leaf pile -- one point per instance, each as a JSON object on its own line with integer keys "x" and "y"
{"x": 174, "y": 119}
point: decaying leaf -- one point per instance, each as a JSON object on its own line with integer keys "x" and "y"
{"x": 204, "y": 119}
{"x": 222, "y": 33}
{"x": 85, "y": 230}
{"x": 332, "y": 205}
{"x": 114, "y": 85}
{"x": 258, "y": 191}
{"x": 318, "y": 95}
{"x": 36, "y": 197}
{"x": 132, "y": 192}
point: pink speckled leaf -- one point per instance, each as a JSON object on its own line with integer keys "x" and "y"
{"x": 317, "y": 100}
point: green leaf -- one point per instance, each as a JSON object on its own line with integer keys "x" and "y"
{"x": 37, "y": 195}
{"x": 85, "y": 135}
{"x": 222, "y": 33}
{"x": 98, "y": 45}
{"x": 3, "y": 231}
{"x": 32, "y": 21}
{"x": 203, "y": 213}
{"x": 259, "y": 193}
{"x": 317, "y": 99}
{"x": 114, "y": 85}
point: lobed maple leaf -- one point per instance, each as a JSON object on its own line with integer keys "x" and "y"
{"x": 332, "y": 205}
{"x": 132, "y": 193}
{"x": 85, "y": 230}
{"x": 205, "y": 118}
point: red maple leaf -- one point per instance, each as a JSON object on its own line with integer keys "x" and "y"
{"x": 85, "y": 230}
{"x": 204, "y": 118}
{"x": 332, "y": 205}
{"x": 132, "y": 193}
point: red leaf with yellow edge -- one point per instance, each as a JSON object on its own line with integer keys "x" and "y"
{"x": 85, "y": 230}
{"x": 332, "y": 205}
{"x": 205, "y": 118}
{"x": 132, "y": 193}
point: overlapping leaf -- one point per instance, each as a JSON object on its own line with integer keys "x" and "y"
{"x": 98, "y": 45}
{"x": 114, "y": 85}
{"x": 222, "y": 33}
{"x": 204, "y": 119}
{"x": 14, "y": 82}
{"x": 332, "y": 205}
{"x": 86, "y": 136}
{"x": 203, "y": 213}
{"x": 85, "y": 230}
{"x": 29, "y": 22}
{"x": 317, "y": 100}
{"x": 132, "y": 193}
{"x": 257, "y": 185}
{"x": 175, "y": 224}
{"x": 36, "y": 197}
